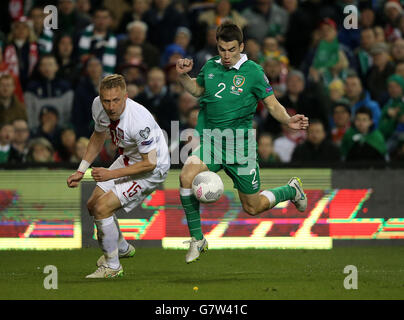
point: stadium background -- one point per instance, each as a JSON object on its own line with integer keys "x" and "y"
{"x": 355, "y": 214}
{"x": 346, "y": 206}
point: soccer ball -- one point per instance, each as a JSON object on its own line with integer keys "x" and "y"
{"x": 207, "y": 187}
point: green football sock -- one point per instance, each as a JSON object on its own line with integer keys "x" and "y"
{"x": 191, "y": 208}
{"x": 284, "y": 193}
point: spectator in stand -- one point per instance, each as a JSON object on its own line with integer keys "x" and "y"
{"x": 67, "y": 148}
{"x": 68, "y": 69}
{"x": 290, "y": 6}
{"x": 358, "y": 97}
{"x": 302, "y": 22}
{"x": 44, "y": 35}
{"x": 180, "y": 45}
{"x": 336, "y": 90}
{"x": 86, "y": 91}
{"x": 362, "y": 54}
{"x": 186, "y": 102}
{"x": 81, "y": 147}
{"x": 277, "y": 74}
{"x": 6, "y": 137}
{"x": 392, "y": 118}
{"x": 330, "y": 57}
{"x": 379, "y": 32}
{"x": 163, "y": 20}
{"x": 291, "y": 100}
{"x": 285, "y": 144}
{"x": 208, "y": 51}
{"x": 367, "y": 17}
{"x": 19, "y": 146}
{"x": 172, "y": 54}
{"x": 135, "y": 76}
{"x": 317, "y": 148}
{"x": 271, "y": 48}
{"x": 192, "y": 118}
{"x": 98, "y": 40}
{"x": 10, "y": 106}
{"x": 397, "y": 51}
{"x": 21, "y": 53}
{"x": 309, "y": 99}
{"x": 253, "y": 50}
{"x": 392, "y": 11}
{"x": 174, "y": 86}
{"x": 4, "y": 69}
{"x": 341, "y": 116}
{"x": 137, "y": 31}
{"x": 40, "y": 150}
{"x": 287, "y": 140}
{"x": 133, "y": 55}
{"x": 84, "y": 8}
{"x": 266, "y": 18}
{"x": 48, "y": 90}
{"x": 398, "y": 153}
{"x": 187, "y": 133}
{"x": 222, "y": 12}
{"x": 363, "y": 142}
{"x": 158, "y": 99}
{"x": 382, "y": 68}
{"x": 400, "y": 69}
{"x": 139, "y": 7}
{"x": 48, "y": 126}
{"x": 266, "y": 153}
{"x": 70, "y": 20}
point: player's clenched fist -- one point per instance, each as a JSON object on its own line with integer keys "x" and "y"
{"x": 184, "y": 65}
{"x": 74, "y": 180}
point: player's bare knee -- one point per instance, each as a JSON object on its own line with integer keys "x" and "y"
{"x": 186, "y": 177}
{"x": 100, "y": 211}
{"x": 90, "y": 206}
{"x": 249, "y": 209}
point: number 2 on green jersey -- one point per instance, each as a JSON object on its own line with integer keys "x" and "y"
{"x": 221, "y": 84}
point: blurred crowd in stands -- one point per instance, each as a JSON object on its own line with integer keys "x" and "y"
{"x": 349, "y": 82}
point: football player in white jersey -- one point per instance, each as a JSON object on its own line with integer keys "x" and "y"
{"x": 142, "y": 165}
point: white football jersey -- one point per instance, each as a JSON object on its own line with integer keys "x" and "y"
{"x": 134, "y": 132}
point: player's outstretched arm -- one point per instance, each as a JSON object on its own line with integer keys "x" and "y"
{"x": 148, "y": 163}
{"x": 297, "y": 122}
{"x": 94, "y": 147}
{"x": 184, "y": 66}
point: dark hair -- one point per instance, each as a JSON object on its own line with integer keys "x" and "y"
{"x": 369, "y": 29}
{"x": 364, "y": 110}
{"x": 229, "y": 31}
{"x": 342, "y": 104}
{"x": 316, "y": 121}
{"x": 47, "y": 56}
{"x": 102, "y": 9}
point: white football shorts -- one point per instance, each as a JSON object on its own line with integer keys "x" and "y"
{"x": 132, "y": 190}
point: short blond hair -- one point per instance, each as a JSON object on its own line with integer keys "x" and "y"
{"x": 113, "y": 81}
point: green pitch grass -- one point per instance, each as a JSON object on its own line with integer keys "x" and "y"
{"x": 220, "y": 274}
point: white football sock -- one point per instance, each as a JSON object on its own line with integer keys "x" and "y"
{"x": 108, "y": 235}
{"x": 185, "y": 192}
{"x": 270, "y": 196}
{"x": 123, "y": 245}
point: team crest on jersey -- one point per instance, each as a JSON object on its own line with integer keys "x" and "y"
{"x": 120, "y": 133}
{"x": 238, "y": 80}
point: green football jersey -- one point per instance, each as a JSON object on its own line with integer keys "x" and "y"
{"x": 231, "y": 95}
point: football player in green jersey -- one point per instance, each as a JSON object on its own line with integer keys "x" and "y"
{"x": 229, "y": 87}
